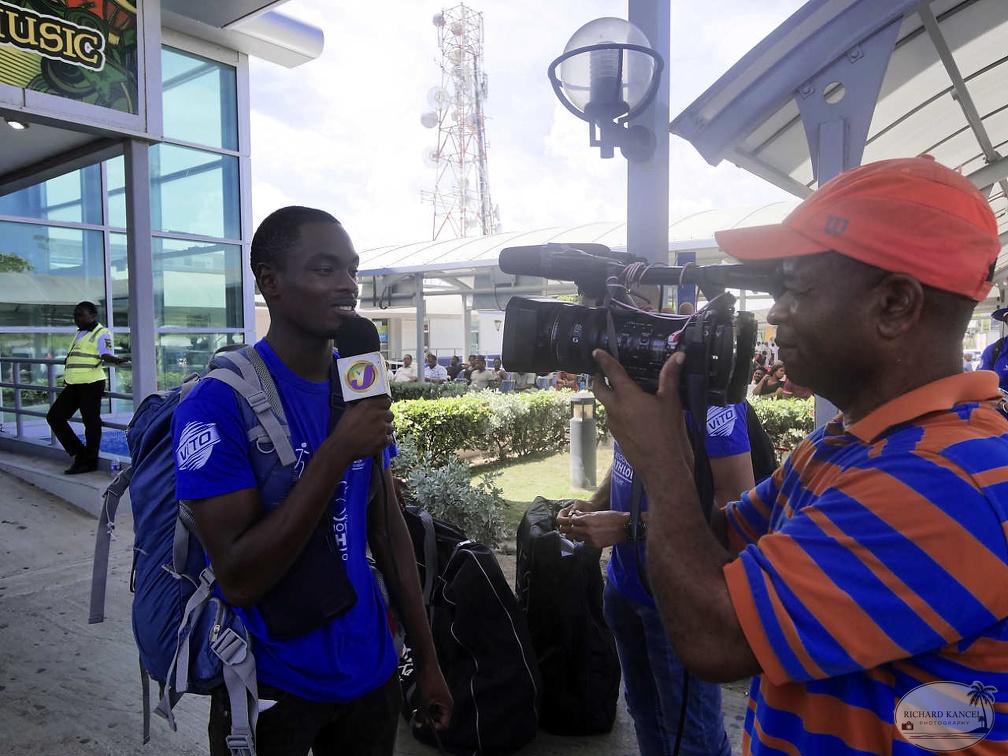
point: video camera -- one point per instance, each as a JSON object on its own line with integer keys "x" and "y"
{"x": 542, "y": 334}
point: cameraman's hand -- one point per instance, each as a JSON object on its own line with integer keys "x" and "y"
{"x": 649, "y": 427}
{"x": 365, "y": 428}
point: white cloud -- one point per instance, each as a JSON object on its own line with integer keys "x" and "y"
{"x": 344, "y": 133}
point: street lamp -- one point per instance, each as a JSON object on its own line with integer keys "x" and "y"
{"x": 608, "y": 74}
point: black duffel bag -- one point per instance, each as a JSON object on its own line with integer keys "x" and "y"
{"x": 559, "y": 586}
{"x": 482, "y": 642}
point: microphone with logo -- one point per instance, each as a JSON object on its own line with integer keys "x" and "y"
{"x": 361, "y": 367}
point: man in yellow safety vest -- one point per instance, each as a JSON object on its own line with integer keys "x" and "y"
{"x": 84, "y": 381}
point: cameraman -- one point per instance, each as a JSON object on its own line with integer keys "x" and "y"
{"x": 875, "y": 559}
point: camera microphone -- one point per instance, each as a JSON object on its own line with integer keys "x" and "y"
{"x": 361, "y": 366}
{"x": 563, "y": 262}
{"x": 748, "y": 276}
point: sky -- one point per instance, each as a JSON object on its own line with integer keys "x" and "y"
{"x": 343, "y": 132}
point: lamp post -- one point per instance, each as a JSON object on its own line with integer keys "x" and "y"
{"x": 582, "y": 441}
{"x": 607, "y": 75}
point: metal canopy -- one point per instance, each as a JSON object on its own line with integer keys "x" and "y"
{"x": 845, "y": 82}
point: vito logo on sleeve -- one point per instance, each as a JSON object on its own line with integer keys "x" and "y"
{"x": 196, "y": 442}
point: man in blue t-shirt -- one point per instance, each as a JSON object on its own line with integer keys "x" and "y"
{"x": 995, "y": 356}
{"x": 652, "y": 672}
{"x": 326, "y": 684}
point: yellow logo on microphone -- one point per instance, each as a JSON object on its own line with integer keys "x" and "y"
{"x": 361, "y": 376}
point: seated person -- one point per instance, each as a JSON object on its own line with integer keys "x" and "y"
{"x": 772, "y": 384}
{"x": 793, "y": 391}
{"x": 433, "y": 372}
{"x": 524, "y": 381}
{"x": 498, "y": 368}
{"x": 757, "y": 377}
{"x": 454, "y": 368}
{"x": 469, "y": 367}
{"x": 566, "y": 380}
{"x": 408, "y": 372}
{"x": 481, "y": 378}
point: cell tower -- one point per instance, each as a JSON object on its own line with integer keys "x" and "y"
{"x": 461, "y": 196}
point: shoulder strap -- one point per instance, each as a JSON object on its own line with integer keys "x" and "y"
{"x": 103, "y": 539}
{"x": 253, "y": 382}
{"x": 996, "y": 351}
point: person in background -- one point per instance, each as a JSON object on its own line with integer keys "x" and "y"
{"x": 454, "y": 368}
{"x": 327, "y": 670}
{"x": 498, "y": 368}
{"x": 470, "y": 366}
{"x": 524, "y": 381}
{"x": 408, "y": 372}
{"x": 874, "y": 560}
{"x": 84, "y": 385}
{"x": 968, "y": 366}
{"x": 481, "y": 377}
{"x": 565, "y": 380}
{"x": 772, "y": 384}
{"x": 792, "y": 390}
{"x": 433, "y": 372}
{"x": 995, "y": 356}
{"x": 757, "y": 378}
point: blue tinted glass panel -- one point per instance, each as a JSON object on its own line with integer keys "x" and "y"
{"x": 46, "y": 272}
{"x": 194, "y": 192}
{"x": 199, "y": 100}
{"x": 197, "y": 285}
{"x": 119, "y": 278}
{"x": 115, "y": 178}
{"x": 74, "y": 197}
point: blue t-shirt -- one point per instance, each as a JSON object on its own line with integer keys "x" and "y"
{"x": 999, "y": 365}
{"x": 354, "y": 654}
{"x": 727, "y": 435}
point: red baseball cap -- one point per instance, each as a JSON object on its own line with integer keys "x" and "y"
{"x": 907, "y": 215}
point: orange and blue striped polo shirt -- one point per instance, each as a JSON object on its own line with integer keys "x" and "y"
{"x": 873, "y": 561}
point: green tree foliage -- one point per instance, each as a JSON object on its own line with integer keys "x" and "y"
{"x": 11, "y": 263}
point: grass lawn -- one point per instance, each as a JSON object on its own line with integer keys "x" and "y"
{"x": 546, "y": 475}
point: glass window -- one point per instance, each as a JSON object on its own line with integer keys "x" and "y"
{"x": 45, "y": 272}
{"x": 119, "y": 279}
{"x": 115, "y": 178}
{"x": 74, "y": 197}
{"x": 194, "y": 192}
{"x": 199, "y": 100}
{"x": 181, "y": 354}
{"x": 197, "y": 285}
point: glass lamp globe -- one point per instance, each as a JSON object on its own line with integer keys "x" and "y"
{"x": 612, "y": 74}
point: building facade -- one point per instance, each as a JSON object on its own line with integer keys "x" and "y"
{"x": 124, "y": 181}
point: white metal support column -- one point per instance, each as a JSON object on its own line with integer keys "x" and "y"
{"x": 648, "y": 180}
{"x": 140, "y": 264}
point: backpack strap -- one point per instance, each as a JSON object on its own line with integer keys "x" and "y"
{"x": 103, "y": 540}
{"x": 254, "y": 384}
{"x": 430, "y": 555}
{"x": 238, "y": 665}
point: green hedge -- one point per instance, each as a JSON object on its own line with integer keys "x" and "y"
{"x": 503, "y": 426}
{"x": 426, "y": 390}
{"x": 787, "y": 421}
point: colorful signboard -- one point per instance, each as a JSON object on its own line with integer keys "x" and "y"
{"x": 84, "y": 50}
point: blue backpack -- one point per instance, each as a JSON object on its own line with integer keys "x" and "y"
{"x": 189, "y": 640}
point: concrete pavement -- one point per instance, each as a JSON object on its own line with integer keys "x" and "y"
{"x": 73, "y": 689}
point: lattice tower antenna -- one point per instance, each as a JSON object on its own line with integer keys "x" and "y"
{"x": 461, "y": 196}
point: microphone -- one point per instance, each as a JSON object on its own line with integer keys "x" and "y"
{"x": 753, "y": 277}
{"x": 563, "y": 262}
{"x": 362, "y": 371}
